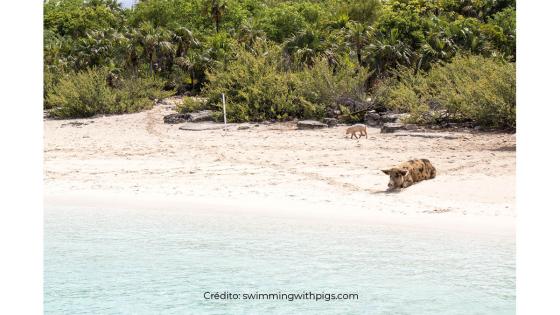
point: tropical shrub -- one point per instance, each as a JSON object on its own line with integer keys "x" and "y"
{"x": 325, "y": 86}
{"x": 139, "y": 93}
{"x": 82, "y": 94}
{"x": 192, "y": 104}
{"x": 257, "y": 88}
{"x": 469, "y": 88}
{"x": 87, "y": 93}
{"x": 254, "y": 88}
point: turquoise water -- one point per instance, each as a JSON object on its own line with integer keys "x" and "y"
{"x": 161, "y": 262}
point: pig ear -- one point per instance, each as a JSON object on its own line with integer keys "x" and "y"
{"x": 388, "y": 172}
{"x": 403, "y": 171}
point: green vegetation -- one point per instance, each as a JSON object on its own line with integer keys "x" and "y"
{"x": 98, "y": 91}
{"x": 190, "y": 105}
{"x": 282, "y": 59}
{"x": 468, "y": 89}
{"x": 259, "y": 87}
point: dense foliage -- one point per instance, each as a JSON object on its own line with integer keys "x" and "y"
{"x": 211, "y": 46}
{"x": 86, "y": 93}
{"x": 258, "y": 87}
{"x": 468, "y": 89}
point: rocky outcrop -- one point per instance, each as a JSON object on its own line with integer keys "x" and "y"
{"x": 176, "y": 118}
{"x": 393, "y": 118}
{"x": 375, "y": 119}
{"x": 170, "y": 102}
{"x": 310, "y": 124}
{"x": 203, "y": 115}
{"x": 331, "y": 122}
{"x": 352, "y": 104}
{"x": 392, "y": 127}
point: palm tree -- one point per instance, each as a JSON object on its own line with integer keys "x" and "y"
{"x": 184, "y": 39}
{"x": 216, "y": 10}
{"x": 220, "y": 48}
{"x": 388, "y": 52}
{"x": 52, "y": 48}
{"x": 98, "y": 48}
{"x": 249, "y": 34}
{"x": 165, "y": 51}
{"x": 195, "y": 64}
{"x": 133, "y": 48}
{"x": 158, "y": 49}
{"x": 357, "y": 37}
{"x": 465, "y": 33}
{"x": 436, "y": 46}
{"x": 304, "y": 47}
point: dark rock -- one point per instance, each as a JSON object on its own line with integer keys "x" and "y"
{"x": 243, "y": 127}
{"x": 372, "y": 118}
{"x": 170, "y": 101}
{"x": 393, "y": 118}
{"x": 380, "y": 108}
{"x": 455, "y": 125}
{"x": 331, "y": 122}
{"x": 310, "y": 124}
{"x": 169, "y": 86}
{"x": 175, "y": 118}
{"x": 376, "y": 119}
{"x": 411, "y": 127}
{"x": 184, "y": 89}
{"x": 392, "y": 127}
{"x": 351, "y": 103}
{"x": 203, "y": 115}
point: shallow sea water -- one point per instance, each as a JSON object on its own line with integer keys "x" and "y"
{"x": 101, "y": 261}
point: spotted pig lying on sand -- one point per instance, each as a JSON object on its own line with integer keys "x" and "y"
{"x": 410, "y": 172}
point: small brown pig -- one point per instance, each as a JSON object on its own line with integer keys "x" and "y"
{"x": 361, "y": 128}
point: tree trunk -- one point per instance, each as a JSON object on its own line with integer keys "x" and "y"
{"x": 192, "y": 79}
{"x": 359, "y": 53}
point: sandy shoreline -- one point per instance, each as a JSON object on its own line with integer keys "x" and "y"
{"x": 138, "y": 157}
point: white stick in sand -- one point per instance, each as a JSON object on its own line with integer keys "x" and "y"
{"x": 224, "y": 103}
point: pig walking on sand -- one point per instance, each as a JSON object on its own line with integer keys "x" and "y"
{"x": 361, "y": 128}
{"x": 410, "y": 172}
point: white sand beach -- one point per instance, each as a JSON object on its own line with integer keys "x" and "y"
{"x": 137, "y": 159}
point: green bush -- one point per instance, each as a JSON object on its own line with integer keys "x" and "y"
{"x": 139, "y": 93}
{"x": 254, "y": 88}
{"x": 258, "y": 88}
{"x": 82, "y": 94}
{"x": 470, "y": 88}
{"x": 322, "y": 85}
{"x": 51, "y": 76}
{"x": 192, "y": 104}
{"x": 86, "y": 93}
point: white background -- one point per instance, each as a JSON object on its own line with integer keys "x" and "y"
{"x": 21, "y": 154}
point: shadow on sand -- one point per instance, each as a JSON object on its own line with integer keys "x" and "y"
{"x": 384, "y": 192}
